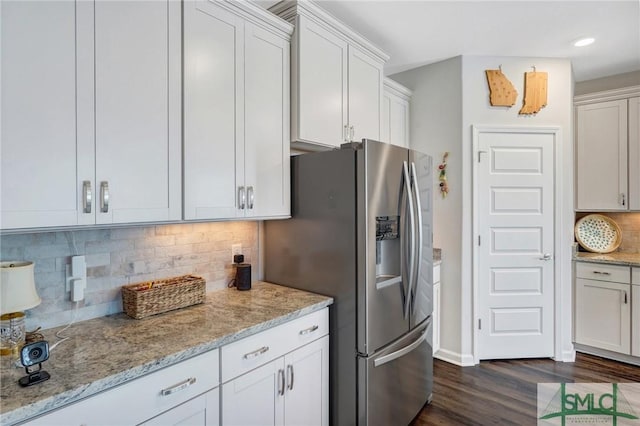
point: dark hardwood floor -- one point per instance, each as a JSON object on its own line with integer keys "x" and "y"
{"x": 505, "y": 392}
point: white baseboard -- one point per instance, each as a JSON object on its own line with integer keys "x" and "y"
{"x": 454, "y": 358}
{"x": 568, "y": 356}
{"x": 608, "y": 354}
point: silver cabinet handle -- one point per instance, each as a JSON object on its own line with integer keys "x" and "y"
{"x": 242, "y": 198}
{"x": 601, "y": 273}
{"x": 290, "y": 377}
{"x": 87, "y": 196}
{"x": 180, "y": 386}
{"x": 352, "y": 131}
{"x": 546, "y": 256}
{"x": 308, "y": 330}
{"x": 625, "y": 298}
{"x": 281, "y": 382}
{"x": 104, "y": 196}
{"x": 256, "y": 353}
{"x": 250, "y": 196}
{"x": 623, "y": 199}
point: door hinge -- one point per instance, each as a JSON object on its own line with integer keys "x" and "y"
{"x": 478, "y": 239}
{"x": 479, "y": 323}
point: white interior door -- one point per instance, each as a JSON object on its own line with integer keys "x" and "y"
{"x": 515, "y": 243}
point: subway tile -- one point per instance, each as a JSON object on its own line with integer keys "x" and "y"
{"x": 93, "y": 247}
{"x": 156, "y": 241}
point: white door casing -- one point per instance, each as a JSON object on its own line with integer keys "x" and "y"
{"x": 514, "y": 233}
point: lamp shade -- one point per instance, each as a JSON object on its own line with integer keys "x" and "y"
{"x": 17, "y": 287}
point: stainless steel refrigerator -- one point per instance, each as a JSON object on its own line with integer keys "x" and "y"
{"x": 361, "y": 232}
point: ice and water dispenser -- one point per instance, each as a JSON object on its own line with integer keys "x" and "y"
{"x": 387, "y": 251}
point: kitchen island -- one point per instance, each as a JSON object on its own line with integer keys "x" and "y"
{"x": 105, "y": 352}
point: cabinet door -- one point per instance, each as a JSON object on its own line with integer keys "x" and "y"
{"x": 635, "y": 319}
{"x": 634, "y": 153}
{"x": 603, "y": 315}
{"x": 307, "y": 383}
{"x": 213, "y": 111}
{"x": 137, "y": 106}
{"x": 38, "y": 166}
{"x": 601, "y": 144}
{"x": 320, "y": 89}
{"x": 200, "y": 411}
{"x": 436, "y": 316}
{"x": 365, "y": 95}
{"x": 266, "y": 123}
{"x": 395, "y": 120}
{"x": 255, "y": 398}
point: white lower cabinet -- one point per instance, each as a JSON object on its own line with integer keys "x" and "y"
{"x": 201, "y": 410}
{"x": 288, "y": 391}
{"x": 603, "y": 307}
{"x": 285, "y": 381}
{"x": 436, "y": 308}
{"x": 180, "y": 394}
{"x": 635, "y": 311}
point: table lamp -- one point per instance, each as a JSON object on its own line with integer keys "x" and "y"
{"x": 17, "y": 293}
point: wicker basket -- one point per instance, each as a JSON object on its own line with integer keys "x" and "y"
{"x": 143, "y": 299}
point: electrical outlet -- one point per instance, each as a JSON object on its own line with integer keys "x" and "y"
{"x": 235, "y": 249}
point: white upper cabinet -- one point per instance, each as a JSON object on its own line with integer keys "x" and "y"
{"x": 365, "y": 95}
{"x": 38, "y": 115}
{"x": 236, "y": 112}
{"x": 90, "y": 112}
{"x": 601, "y": 147}
{"x": 137, "y": 111}
{"x": 607, "y": 151}
{"x": 395, "y": 113}
{"x": 634, "y": 153}
{"x": 336, "y": 80}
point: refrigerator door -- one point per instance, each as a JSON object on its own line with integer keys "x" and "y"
{"x": 397, "y": 382}
{"x": 385, "y": 214}
{"x": 422, "y": 191}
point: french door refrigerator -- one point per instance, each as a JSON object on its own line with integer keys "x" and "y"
{"x": 361, "y": 232}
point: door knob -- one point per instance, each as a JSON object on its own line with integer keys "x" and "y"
{"x": 546, "y": 256}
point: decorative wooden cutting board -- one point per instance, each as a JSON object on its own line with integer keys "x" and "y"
{"x": 535, "y": 92}
{"x": 501, "y": 90}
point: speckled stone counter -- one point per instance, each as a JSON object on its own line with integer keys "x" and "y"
{"x": 616, "y": 258}
{"x": 105, "y": 352}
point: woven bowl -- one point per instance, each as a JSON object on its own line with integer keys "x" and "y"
{"x": 598, "y": 234}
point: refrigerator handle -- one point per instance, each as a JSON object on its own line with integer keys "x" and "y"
{"x": 412, "y": 241}
{"x": 418, "y": 253}
{"x": 400, "y": 352}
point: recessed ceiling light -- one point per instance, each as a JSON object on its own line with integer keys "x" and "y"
{"x": 584, "y": 41}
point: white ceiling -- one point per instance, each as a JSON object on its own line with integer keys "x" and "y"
{"x": 419, "y": 32}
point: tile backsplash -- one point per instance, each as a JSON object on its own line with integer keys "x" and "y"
{"x": 629, "y": 224}
{"x": 119, "y": 256}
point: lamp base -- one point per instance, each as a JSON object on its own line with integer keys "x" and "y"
{"x": 12, "y": 337}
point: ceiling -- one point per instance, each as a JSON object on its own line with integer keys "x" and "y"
{"x": 420, "y": 32}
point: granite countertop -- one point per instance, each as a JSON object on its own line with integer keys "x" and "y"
{"x": 616, "y": 258}
{"x": 104, "y": 352}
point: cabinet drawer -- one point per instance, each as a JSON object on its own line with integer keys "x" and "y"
{"x": 254, "y": 351}
{"x": 635, "y": 275}
{"x": 141, "y": 399}
{"x": 603, "y": 272}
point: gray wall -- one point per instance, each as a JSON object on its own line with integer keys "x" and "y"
{"x": 121, "y": 256}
